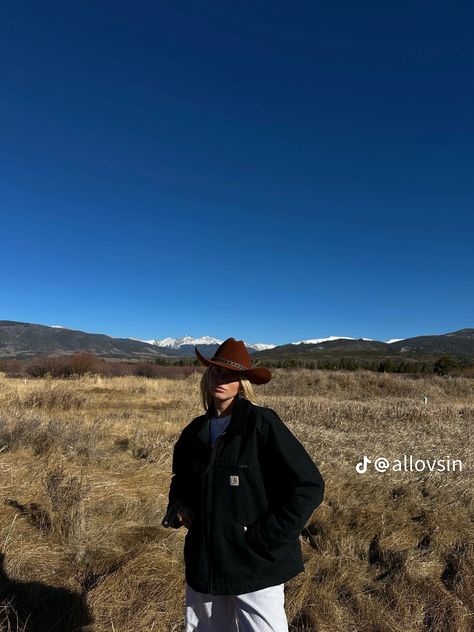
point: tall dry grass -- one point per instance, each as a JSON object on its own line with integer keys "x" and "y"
{"x": 84, "y": 476}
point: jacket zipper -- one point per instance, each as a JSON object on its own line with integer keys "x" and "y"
{"x": 209, "y": 509}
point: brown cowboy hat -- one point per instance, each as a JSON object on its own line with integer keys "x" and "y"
{"x": 233, "y": 355}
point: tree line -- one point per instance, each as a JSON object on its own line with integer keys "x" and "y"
{"x": 87, "y": 363}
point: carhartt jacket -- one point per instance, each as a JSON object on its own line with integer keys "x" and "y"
{"x": 257, "y": 475}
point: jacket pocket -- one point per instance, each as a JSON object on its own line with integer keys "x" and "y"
{"x": 254, "y": 545}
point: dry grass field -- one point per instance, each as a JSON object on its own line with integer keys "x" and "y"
{"x": 85, "y": 466}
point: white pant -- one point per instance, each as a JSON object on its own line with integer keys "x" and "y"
{"x": 259, "y": 611}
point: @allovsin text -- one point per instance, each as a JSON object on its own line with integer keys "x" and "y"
{"x": 408, "y": 463}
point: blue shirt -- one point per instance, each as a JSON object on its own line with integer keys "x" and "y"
{"x": 218, "y": 426}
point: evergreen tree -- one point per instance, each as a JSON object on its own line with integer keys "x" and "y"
{"x": 445, "y": 364}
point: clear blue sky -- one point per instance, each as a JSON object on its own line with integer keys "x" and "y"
{"x": 263, "y": 170}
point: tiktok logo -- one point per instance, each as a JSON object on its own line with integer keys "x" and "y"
{"x": 362, "y": 466}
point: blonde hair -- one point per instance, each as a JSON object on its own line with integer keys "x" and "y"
{"x": 245, "y": 390}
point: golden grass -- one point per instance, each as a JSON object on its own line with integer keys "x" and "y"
{"x": 85, "y": 467}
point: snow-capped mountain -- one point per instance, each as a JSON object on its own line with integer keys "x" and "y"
{"x": 315, "y": 341}
{"x": 178, "y": 343}
{"x": 260, "y": 346}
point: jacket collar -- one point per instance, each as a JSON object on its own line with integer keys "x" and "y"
{"x": 237, "y": 424}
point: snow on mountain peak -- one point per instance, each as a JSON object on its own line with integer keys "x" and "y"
{"x": 259, "y": 346}
{"x": 313, "y": 341}
{"x": 177, "y": 343}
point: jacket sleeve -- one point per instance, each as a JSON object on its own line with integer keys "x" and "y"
{"x": 177, "y": 497}
{"x": 295, "y": 483}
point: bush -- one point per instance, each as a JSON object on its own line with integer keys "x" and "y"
{"x": 66, "y": 494}
{"x": 445, "y": 365}
{"x": 20, "y": 433}
{"x": 12, "y": 368}
{"x": 52, "y": 396}
{"x": 89, "y": 364}
{"x": 65, "y": 366}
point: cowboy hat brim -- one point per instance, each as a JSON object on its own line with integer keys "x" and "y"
{"x": 256, "y": 375}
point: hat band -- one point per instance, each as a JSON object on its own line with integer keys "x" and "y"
{"x": 231, "y": 362}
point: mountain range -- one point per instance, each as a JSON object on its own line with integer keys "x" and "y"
{"x": 187, "y": 343}
{"x": 19, "y": 340}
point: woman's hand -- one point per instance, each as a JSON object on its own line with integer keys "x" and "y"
{"x": 186, "y": 517}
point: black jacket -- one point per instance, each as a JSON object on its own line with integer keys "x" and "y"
{"x": 257, "y": 475}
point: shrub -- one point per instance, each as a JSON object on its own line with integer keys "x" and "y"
{"x": 445, "y": 365}
{"x": 12, "y": 435}
{"x": 52, "y": 396}
{"x": 66, "y": 494}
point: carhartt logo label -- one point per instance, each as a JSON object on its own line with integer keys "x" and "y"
{"x": 234, "y": 480}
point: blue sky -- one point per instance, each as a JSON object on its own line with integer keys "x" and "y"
{"x": 262, "y": 170}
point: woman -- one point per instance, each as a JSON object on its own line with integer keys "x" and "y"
{"x": 244, "y": 487}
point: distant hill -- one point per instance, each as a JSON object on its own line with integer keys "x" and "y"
{"x": 458, "y": 343}
{"x": 341, "y": 344}
{"x": 28, "y": 340}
